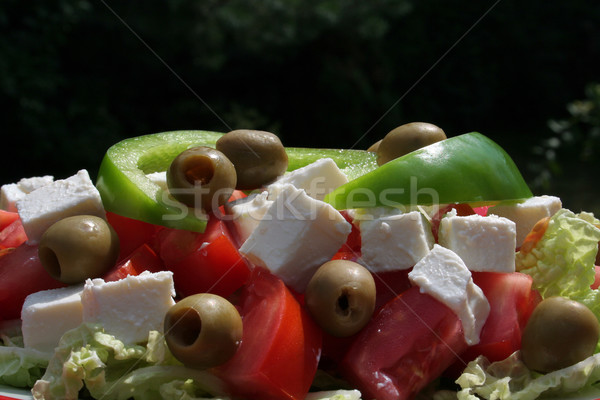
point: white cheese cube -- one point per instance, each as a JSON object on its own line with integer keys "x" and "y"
{"x": 247, "y": 213}
{"x": 75, "y": 195}
{"x": 159, "y": 178}
{"x": 317, "y": 179}
{"x": 526, "y": 214}
{"x": 13, "y": 192}
{"x": 395, "y": 242}
{"x": 443, "y": 275}
{"x": 483, "y": 243}
{"x": 48, "y": 314}
{"x": 131, "y": 307}
{"x": 296, "y": 235}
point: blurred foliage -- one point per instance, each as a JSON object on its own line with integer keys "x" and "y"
{"x": 566, "y": 163}
{"x": 78, "y": 75}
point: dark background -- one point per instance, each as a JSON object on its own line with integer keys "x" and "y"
{"x": 78, "y": 76}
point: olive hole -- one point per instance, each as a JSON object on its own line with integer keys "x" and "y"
{"x": 343, "y": 304}
{"x": 51, "y": 263}
{"x": 185, "y": 327}
{"x": 199, "y": 170}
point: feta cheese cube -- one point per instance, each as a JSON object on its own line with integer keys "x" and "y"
{"x": 317, "y": 179}
{"x": 296, "y": 235}
{"x": 443, "y": 275}
{"x": 159, "y": 178}
{"x": 75, "y": 195}
{"x": 483, "y": 243}
{"x": 48, "y": 314}
{"x": 13, "y": 192}
{"x": 395, "y": 242}
{"x": 247, "y": 213}
{"x": 526, "y": 214}
{"x": 131, "y": 307}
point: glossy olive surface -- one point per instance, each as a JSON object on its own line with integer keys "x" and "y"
{"x": 76, "y": 248}
{"x": 258, "y": 156}
{"x": 407, "y": 138}
{"x": 341, "y": 297}
{"x": 203, "y": 330}
{"x": 201, "y": 177}
{"x": 559, "y": 333}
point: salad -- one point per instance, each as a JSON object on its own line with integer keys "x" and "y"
{"x": 201, "y": 265}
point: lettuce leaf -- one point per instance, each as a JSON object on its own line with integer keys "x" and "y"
{"x": 108, "y": 369}
{"x": 21, "y": 367}
{"x": 510, "y": 379}
{"x": 562, "y": 261}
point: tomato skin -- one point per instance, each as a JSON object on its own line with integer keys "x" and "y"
{"x": 7, "y": 218}
{"x": 462, "y": 209}
{"x": 408, "y": 344}
{"x": 13, "y": 235}
{"x": 353, "y": 241}
{"x": 206, "y": 262}
{"x": 21, "y": 273}
{"x": 281, "y": 344}
{"x": 512, "y": 300}
{"x": 596, "y": 283}
{"x": 132, "y": 233}
{"x": 140, "y": 260}
{"x": 390, "y": 284}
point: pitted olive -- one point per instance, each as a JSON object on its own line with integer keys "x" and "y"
{"x": 341, "y": 297}
{"x": 201, "y": 177}
{"x": 258, "y": 156}
{"x": 203, "y": 330}
{"x": 76, "y": 248}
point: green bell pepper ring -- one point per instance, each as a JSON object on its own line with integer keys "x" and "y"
{"x": 126, "y": 190}
{"x": 469, "y": 168}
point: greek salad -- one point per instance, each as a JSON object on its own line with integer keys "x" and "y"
{"x": 202, "y": 265}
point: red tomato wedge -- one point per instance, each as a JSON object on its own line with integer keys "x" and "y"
{"x": 408, "y": 344}
{"x": 596, "y": 283}
{"x": 7, "y": 218}
{"x": 132, "y": 233}
{"x": 13, "y": 235}
{"x": 21, "y": 273}
{"x": 206, "y": 262}
{"x": 281, "y": 345}
{"x": 140, "y": 260}
{"x": 512, "y": 301}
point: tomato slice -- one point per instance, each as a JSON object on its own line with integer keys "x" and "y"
{"x": 512, "y": 300}
{"x": 142, "y": 259}
{"x": 13, "y": 235}
{"x": 408, "y": 344}
{"x": 206, "y": 262}
{"x": 353, "y": 241}
{"x": 21, "y": 273}
{"x": 7, "y": 218}
{"x": 132, "y": 233}
{"x": 596, "y": 283}
{"x": 390, "y": 284}
{"x": 280, "y": 347}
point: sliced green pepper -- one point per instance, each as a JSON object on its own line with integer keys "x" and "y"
{"x": 469, "y": 168}
{"x": 127, "y": 191}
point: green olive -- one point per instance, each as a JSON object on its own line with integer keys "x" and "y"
{"x": 559, "y": 333}
{"x": 258, "y": 156}
{"x": 76, "y": 248}
{"x": 341, "y": 297}
{"x": 407, "y": 138}
{"x": 203, "y": 330}
{"x": 375, "y": 146}
{"x": 201, "y": 177}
